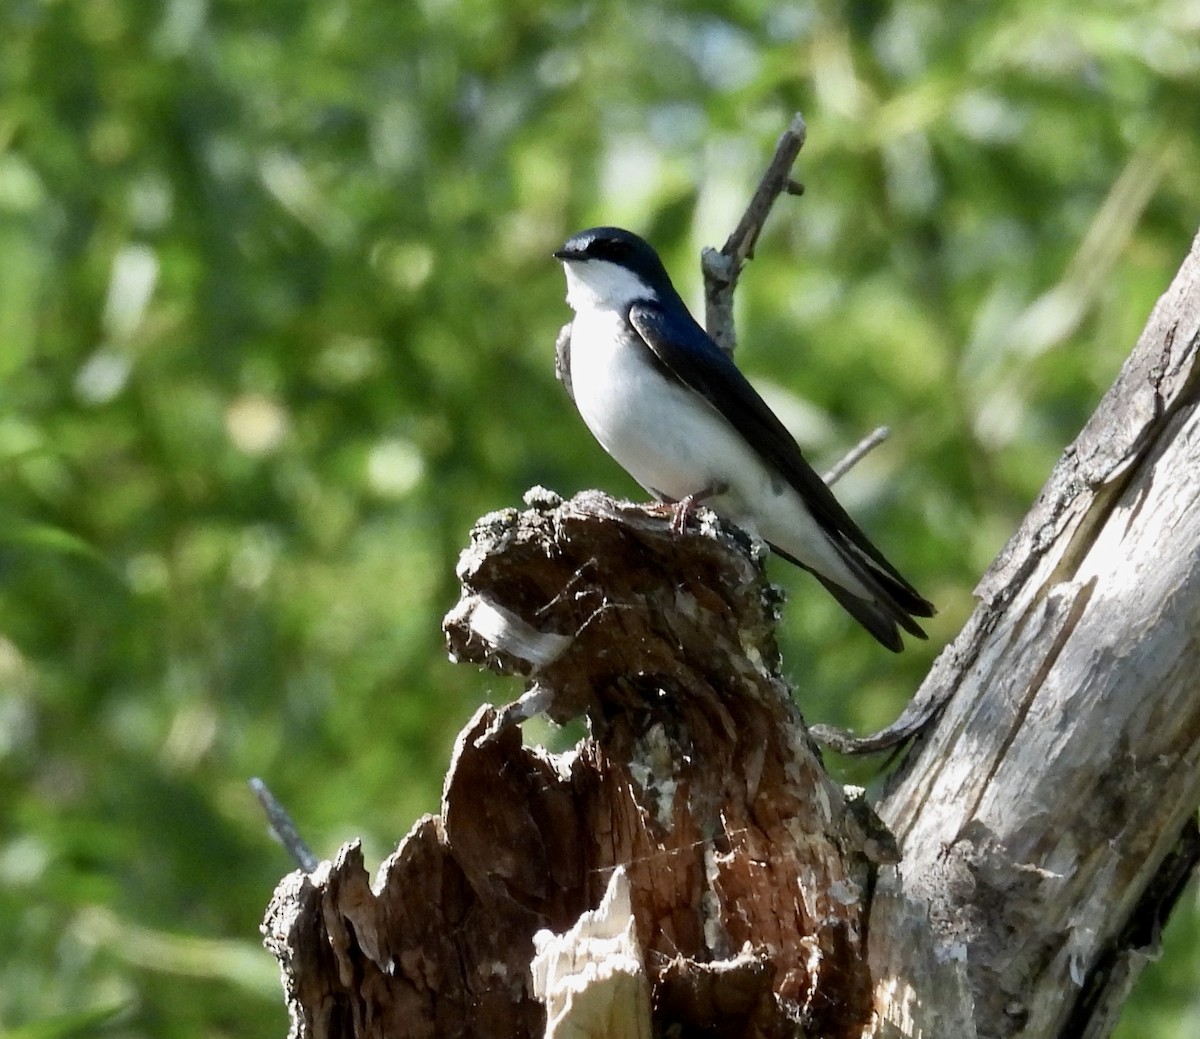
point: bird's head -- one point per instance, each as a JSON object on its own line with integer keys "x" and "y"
{"x": 610, "y": 268}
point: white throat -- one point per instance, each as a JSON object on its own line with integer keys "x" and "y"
{"x": 601, "y": 285}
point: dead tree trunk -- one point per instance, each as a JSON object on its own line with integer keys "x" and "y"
{"x": 1043, "y": 822}
{"x": 1048, "y": 819}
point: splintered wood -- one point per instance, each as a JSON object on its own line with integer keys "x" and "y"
{"x": 746, "y": 868}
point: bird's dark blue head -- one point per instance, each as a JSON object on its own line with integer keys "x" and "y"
{"x": 614, "y": 267}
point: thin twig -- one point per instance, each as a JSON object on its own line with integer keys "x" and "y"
{"x": 283, "y": 827}
{"x": 721, "y": 269}
{"x": 856, "y": 454}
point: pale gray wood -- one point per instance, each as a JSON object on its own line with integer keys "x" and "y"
{"x": 1066, "y": 762}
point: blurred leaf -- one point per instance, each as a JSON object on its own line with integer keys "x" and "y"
{"x": 66, "y": 1026}
{"x": 18, "y": 532}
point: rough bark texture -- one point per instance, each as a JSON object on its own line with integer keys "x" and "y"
{"x": 1046, "y": 817}
{"x": 748, "y": 868}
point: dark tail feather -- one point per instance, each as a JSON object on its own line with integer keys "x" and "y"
{"x": 887, "y": 581}
{"x": 892, "y": 606}
{"x": 880, "y": 617}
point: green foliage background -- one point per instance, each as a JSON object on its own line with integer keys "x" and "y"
{"x": 277, "y": 318}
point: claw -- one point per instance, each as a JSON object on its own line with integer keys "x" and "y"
{"x": 679, "y": 514}
{"x": 686, "y": 505}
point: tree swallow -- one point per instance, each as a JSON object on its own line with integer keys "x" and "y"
{"x": 675, "y": 412}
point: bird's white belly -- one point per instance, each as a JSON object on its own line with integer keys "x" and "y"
{"x": 658, "y": 432}
{"x": 674, "y": 443}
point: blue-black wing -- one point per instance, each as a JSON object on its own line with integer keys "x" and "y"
{"x": 688, "y": 354}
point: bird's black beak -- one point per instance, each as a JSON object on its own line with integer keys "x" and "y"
{"x": 567, "y": 254}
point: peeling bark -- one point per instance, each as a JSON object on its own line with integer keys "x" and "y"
{"x": 748, "y": 867}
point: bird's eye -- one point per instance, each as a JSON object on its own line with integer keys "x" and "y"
{"x": 616, "y": 249}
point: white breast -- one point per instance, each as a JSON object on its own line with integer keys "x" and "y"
{"x": 666, "y": 437}
{"x": 674, "y": 443}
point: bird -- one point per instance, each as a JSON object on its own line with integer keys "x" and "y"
{"x": 673, "y": 410}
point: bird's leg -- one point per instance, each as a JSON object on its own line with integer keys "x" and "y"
{"x": 683, "y": 508}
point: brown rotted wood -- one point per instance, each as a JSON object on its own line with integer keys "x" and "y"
{"x": 748, "y": 871}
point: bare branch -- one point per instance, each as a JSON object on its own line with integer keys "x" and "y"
{"x": 282, "y": 826}
{"x": 856, "y": 454}
{"x": 722, "y": 269}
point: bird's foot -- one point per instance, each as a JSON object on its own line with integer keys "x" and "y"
{"x": 683, "y": 508}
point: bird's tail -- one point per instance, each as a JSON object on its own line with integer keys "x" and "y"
{"x": 891, "y": 606}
